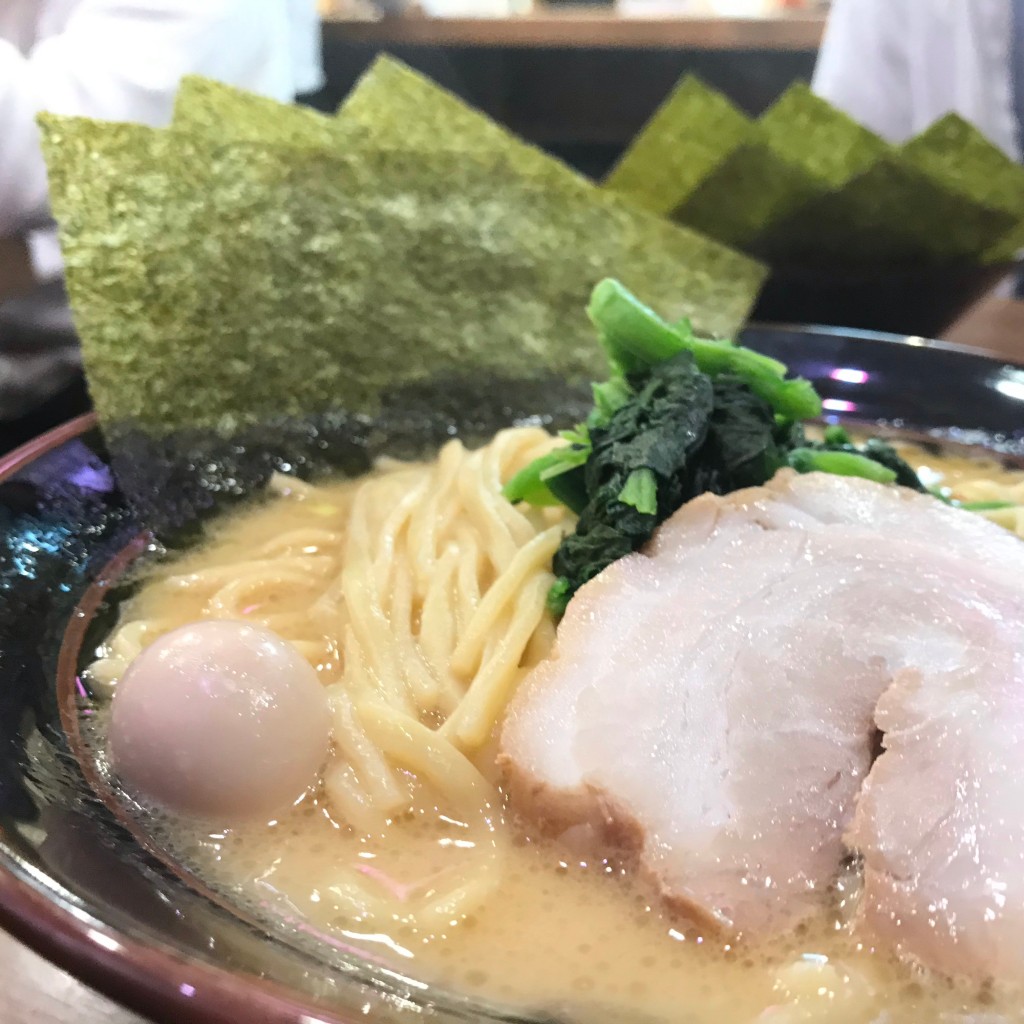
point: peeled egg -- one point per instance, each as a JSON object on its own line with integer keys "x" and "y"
{"x": 220, "y": 719}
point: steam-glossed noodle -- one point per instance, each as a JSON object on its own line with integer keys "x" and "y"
{"x": 715, "y": 701}
{"x": 220, "y": 719}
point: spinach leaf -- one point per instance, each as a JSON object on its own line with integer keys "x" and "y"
{"x": 839, "y": 463}
{"x": 745, "y": 446}
{"x": 877, "y": 451}
{"x": 635, "y": 477}
{"x": 681, "y": 416}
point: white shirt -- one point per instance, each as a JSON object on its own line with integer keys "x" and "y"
{"x": 118, "y": 60}
{"x": 898, "y": 65}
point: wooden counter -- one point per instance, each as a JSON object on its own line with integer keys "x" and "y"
{"x": 584, "y": 27}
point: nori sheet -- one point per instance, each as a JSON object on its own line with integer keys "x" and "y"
{"x": 806, "y": 185}
{"x": 207, "y": 109}
{"x": 955, "y": 153}
{"x": 752, "y": 187}
{"x": 829, "y": 145}
{"x": 223, "y": 285}
{"x": 889, "y": 215}
{"x": 687, "y": 137}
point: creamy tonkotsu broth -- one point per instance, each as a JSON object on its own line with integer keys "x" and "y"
{"x": 418, "y": 595}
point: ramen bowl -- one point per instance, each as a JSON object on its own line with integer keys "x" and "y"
{"x": 81, "y": 880}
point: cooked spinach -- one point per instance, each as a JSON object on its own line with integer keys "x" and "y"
{"x": 680, "y": 416}
{"x": 875, "y": 450}
{"x": 683, "y": 433}
{"x": 839, "y": 463}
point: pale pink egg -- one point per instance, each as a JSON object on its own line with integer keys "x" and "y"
{"x": 219, "y": 719}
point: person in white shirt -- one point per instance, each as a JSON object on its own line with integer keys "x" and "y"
{"x": 898, "y": 65}
{"x": 115, "y": 60}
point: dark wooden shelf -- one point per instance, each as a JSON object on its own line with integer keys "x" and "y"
{"x": 584, "y": 27}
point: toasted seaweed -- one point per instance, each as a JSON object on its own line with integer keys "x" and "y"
{"x": 687, "y": 137}
{"x": 208, "y": 109}
{"x": 752, "y": 187}
{"x": 826, "y": 143}
{"x": 225, "y": 285}
{"x": 889, "y": 215}
{"x": 955, "y": 153}
{"x": 807, "y": 185}
{"x": 398, "y": 107}
{"x": 115, "y": 190}
{"x": 732, "y": 178}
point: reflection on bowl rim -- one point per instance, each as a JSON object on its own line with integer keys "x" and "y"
{"x": 155, "y": 981}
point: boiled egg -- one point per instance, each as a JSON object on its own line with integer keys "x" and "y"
{"x": 220, "y": 719}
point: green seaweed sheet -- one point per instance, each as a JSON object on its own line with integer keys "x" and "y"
{"x": 955, "y": 153}
{"x": 827, "y": 144}
{"x": 687, "y": 137}
{"x": 889, "y": 215}
{"x": 752, "y": 187}
{"x": 392, "y": 105}
{"x": 806, "y": 185}
{"x": 206, "y": 109}
{"x": 216, "y": 285}
{"x": 714, "y": 169}
{"x": 798, "y": 151}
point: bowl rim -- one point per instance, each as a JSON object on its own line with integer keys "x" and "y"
{"x": 161, "y": 983}
{"x": 854, "y": 334}
{"x": 151, "y": 979}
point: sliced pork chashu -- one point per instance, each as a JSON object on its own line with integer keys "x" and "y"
{"x": 713, "y": 701}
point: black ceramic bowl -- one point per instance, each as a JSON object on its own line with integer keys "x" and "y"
{"x": 78, "y": 884}
{"x": 922, "y": 301}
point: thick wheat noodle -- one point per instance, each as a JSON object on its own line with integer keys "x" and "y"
{"x": 420, "y": 682}
{"x": 495, "y": 458}
{"x": 368, "y": 626}
{"x": 468, "y": 576}
{"x": 128, "y": 641}
{"x": 429, "y": 754}
{"x": 448, "y": 770}
{"x": 283, "y": 484}
{"x": 385, "y": 562}
{"x": 351, "y": 800}
{"x": 473, "y": 720}
{"x": 541, "y": 643}
{"x": 496, "y": 539}
{"x": 357, "y": 681}
{"x": 418, "y": 594}
{"x": 423, "y": 528}
{"x": 312, "y": 650}
{"x": 364, "y": 606}
{"x": 468, "y": 652}
{"x": 381, "y": 794}
{"x": 221, "y": 575}
{"x": 124, "y": 646}
{"x": 351, "y": 891}
{"x": 294, "y": 624}
{"x": 232, "y": 599}
{"x": 438, "y": 627}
